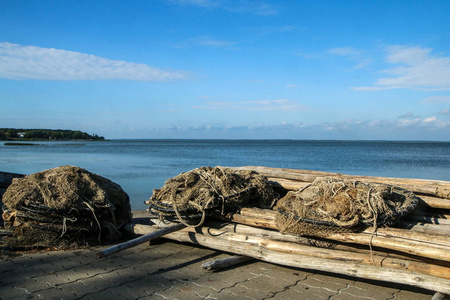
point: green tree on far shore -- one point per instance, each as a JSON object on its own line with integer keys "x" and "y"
{"x": 46, "y": 134}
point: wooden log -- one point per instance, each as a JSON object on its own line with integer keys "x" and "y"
{"x": 223, "y": 263}
{"x": 428, "y": 220}
{"x": 422, "y": 233}
{"x": 432, "y": 229}
{"x": 261, "y": 252}
{"x": 320, "y": 243}
{"x": 429, "y": 201}
{"x": 140, "y": 240}
{"x": 412, "y": 247}
{"x": 435, "y": 202}
{"x": 248, "y": 235}
{"x": 437, "y": 188}
{"x": 440, "y": 296}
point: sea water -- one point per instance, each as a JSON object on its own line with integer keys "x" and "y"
{"x": 140, "y": 166}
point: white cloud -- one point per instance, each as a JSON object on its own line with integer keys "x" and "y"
{"x": 257, "y": 105}
{"x": 31, "y": 62}
{"x": 414, "y": 68}
{"x": 430, "y": 119}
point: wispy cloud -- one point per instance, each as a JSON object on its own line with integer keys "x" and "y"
{"x": 430, "y": 128}
{"x": 408, "y": 115}
{"x": 265, "y": 30}
{"x": 352, "y": 54}
{"x": 257, "y": 105}
{"x": 437, "y": 99}
{"x": 445, "y": 111}
{"x": 345, "y": 51}
{"x": 31, "y": 62}
{"x": 413, "y": 68}
{"x": 208, "y": 41}
{"x": 241, "y": 6}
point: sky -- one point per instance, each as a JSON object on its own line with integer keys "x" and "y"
{"x": 340, "y": 70}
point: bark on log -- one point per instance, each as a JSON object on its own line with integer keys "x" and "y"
{"x": 262, "y": 252}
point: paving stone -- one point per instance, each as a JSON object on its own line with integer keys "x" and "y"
{"x": 364, "y": 290}
{"x": 173, "y": 271}
{"x": 406, "y": 295}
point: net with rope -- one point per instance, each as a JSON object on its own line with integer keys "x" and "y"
{"x": 205, "y": 190}
{"x": 63, "y": 207}
{"x": 330, "y": 205}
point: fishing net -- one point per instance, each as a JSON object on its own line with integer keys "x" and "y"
{"x": 332, "y": 205}
{"x": 208, "y": 189}
{"x": 64, "y": 207}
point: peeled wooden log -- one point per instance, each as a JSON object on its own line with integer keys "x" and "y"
{"x": 436, "y": 188}
{"x": 140, "y": 240}
{"x": 435, "y": 202}
{"x": 435, "y": 250}
{"x": 269, "y": 241}
{"x": 429, "y": 220}
{"x": 267, "y": 217}
{"x": 259, "y": 249}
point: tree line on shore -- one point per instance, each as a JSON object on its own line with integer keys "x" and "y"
{"x": 46, "y": 134}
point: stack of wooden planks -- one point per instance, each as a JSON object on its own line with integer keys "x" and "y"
{"x": 416, "y": 254}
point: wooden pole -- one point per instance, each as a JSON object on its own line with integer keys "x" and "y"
{"x": 241, "y": 246}
{"x": 247, "y": 235}
{"x": 140, "y": 240}
{"x": 410, "y": 246}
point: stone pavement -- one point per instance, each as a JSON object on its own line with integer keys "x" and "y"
{"x": 168, "y": 270}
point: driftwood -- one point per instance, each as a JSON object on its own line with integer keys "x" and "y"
{"x": 417, "y": 230}
{"x": 223, "y": 263}
{"x": 432, "y": 249}
{"x": 140, "y": 240}
{"x": 269, "y": 251}
{"x": 440, "y": 296}
{"x": 436, "y": 188}
{"x": 247, "y": 235}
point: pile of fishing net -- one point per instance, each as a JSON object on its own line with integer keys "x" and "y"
{"x": 208, "y": 190}
{"x": 329, "y": 205}
{"x": 64, "y": 207}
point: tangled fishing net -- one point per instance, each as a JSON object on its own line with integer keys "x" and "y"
{"x": 64, "y": 207}
{"x": 208, "y": 189}
{"x": 332, "y": 205}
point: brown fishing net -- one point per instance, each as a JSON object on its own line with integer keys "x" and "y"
{"x": 64, "y": 207}
{"x": 332, "y": 205}
{"x": 208, "y": 189}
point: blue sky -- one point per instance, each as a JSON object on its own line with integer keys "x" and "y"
{"x": 228, "y": 69}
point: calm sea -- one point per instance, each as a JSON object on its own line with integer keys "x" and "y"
{"x": 139, "y": 166}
